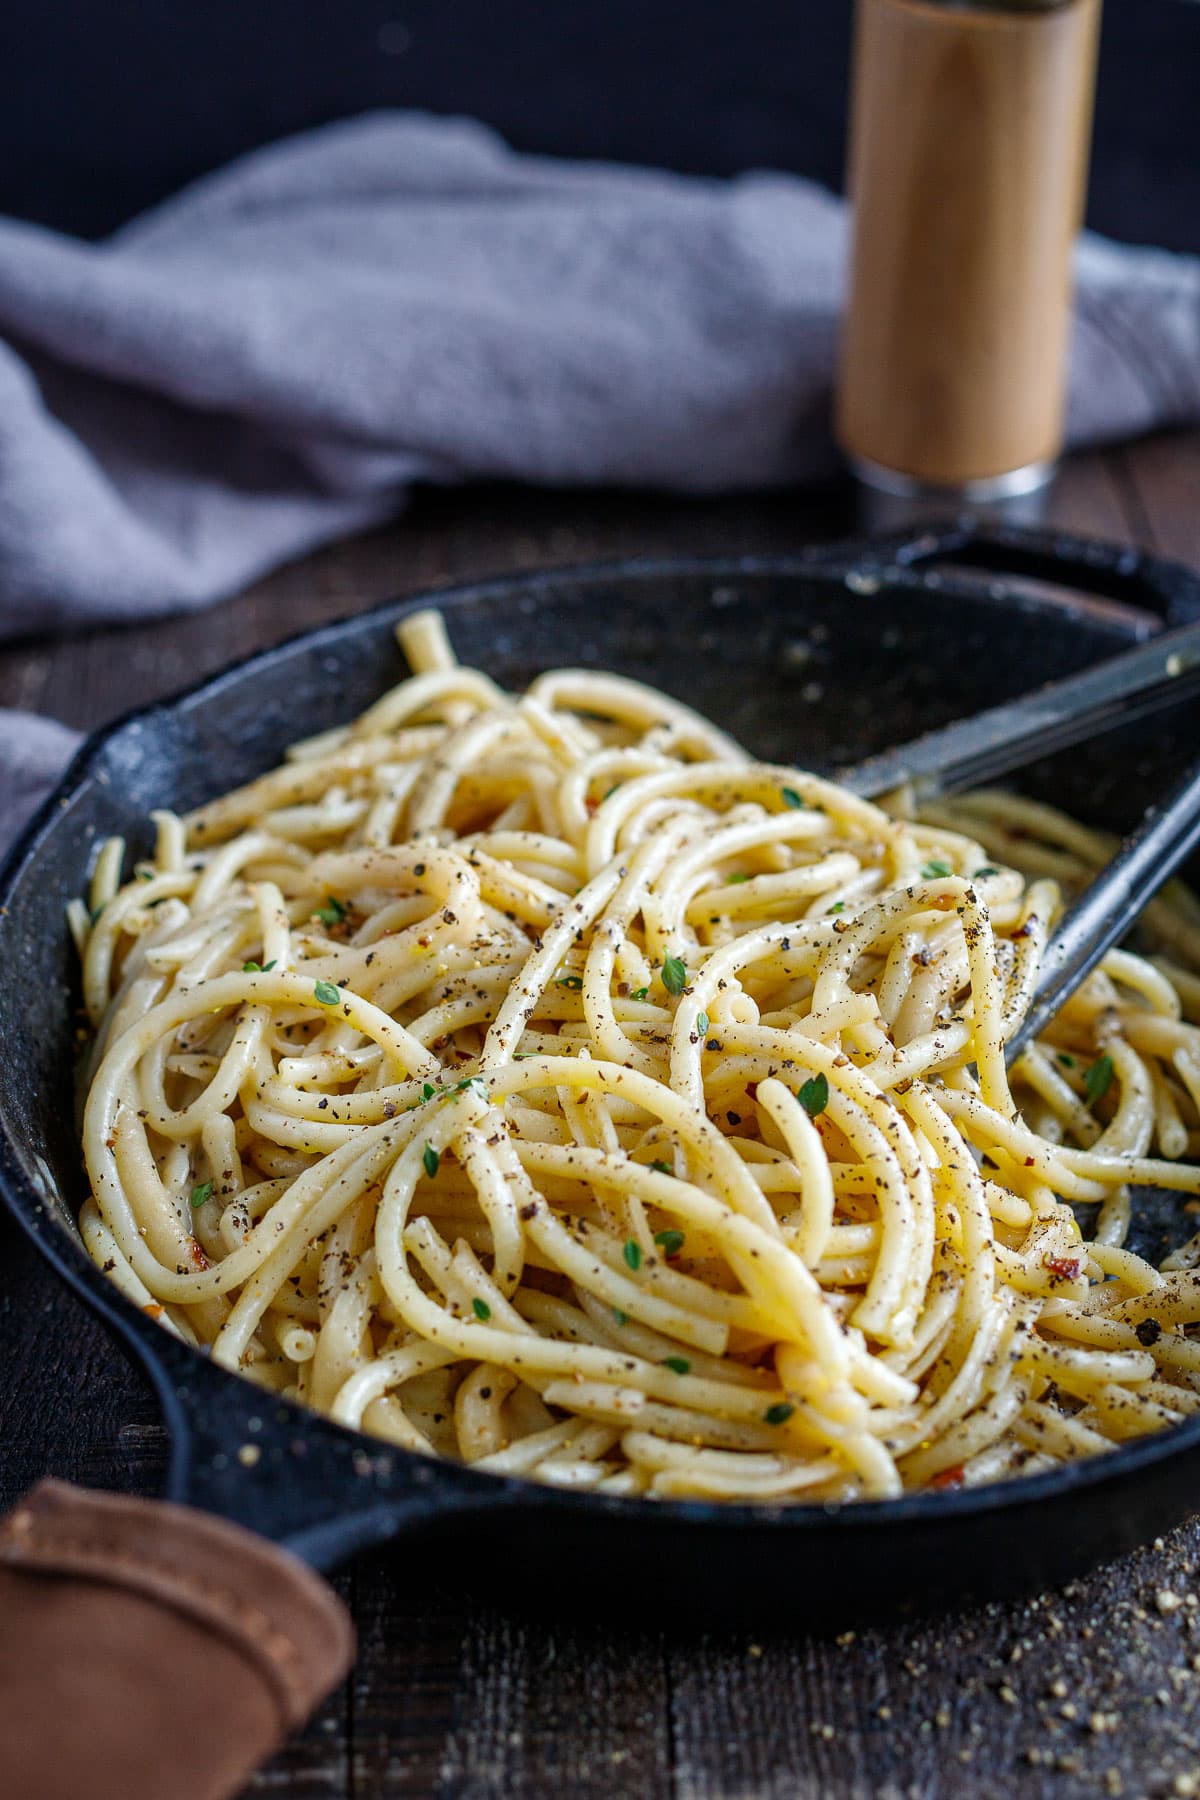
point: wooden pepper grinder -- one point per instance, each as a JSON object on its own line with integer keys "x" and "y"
{"x": 970, "y": 131}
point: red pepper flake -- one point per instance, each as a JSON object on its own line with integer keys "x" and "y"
{"x": 949, "y": 1478}
{"x": 154, "y": 1311}
{"x": 1029, "y": 1162}
{"x": 590, "y": 805}
{"x": 1067, "y": 1268}
{"x": 198, "y": 1257}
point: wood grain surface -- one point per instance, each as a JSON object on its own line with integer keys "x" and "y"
{"x": 1092, "y": 1690}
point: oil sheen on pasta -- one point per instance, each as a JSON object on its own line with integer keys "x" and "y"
{"x": 543, "y": 1083}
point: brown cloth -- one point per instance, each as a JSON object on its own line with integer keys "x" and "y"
{"x": 149, "y": 1650}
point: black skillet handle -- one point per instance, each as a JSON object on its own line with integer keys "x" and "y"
{"x": 323, "y": 1493}
{"x": 1117, "y": 572}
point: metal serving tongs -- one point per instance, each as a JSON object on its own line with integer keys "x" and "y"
{"x": 1063, "y": 713}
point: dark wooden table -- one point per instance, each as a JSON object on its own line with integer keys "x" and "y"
{"x": 1091, "y": 1690}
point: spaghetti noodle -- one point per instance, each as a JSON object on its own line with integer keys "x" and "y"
{"x": 542, "y": 1082}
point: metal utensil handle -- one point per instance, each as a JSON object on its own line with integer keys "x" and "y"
{"x": 1106, "y": 909}
{"x": 993, "y": 743}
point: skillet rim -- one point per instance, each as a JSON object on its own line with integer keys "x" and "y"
{"x": 171, "y": 1366}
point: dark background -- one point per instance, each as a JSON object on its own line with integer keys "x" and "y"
{"x": 108, "y": 105}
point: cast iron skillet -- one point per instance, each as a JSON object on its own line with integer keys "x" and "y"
{"x": 814, "y": 658}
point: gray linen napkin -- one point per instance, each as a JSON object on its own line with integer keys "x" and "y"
{"x": 273, "y": 357}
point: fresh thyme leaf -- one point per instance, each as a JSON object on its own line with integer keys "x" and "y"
{"x": 574, "y": 982}
{"x": 432, "y": 1161}
{"x": 702, "y": 1024}
{"x": 814, "y": 1095}
{"x": 669, "y": 1242}
{"x": 936, "y": 868}
{"x": 481, "y": 1309}
{"x": 428, "y": 1091}
{"x": 1065, "y": 1058}
{"x": 986, "y": 869}
{"x": 664, "y": 1168}
{"x": 200, "y": 1193}
{"x": 792, "y": 798}
{"x": 332, "y": 913}
{"x": 674, "y": 974}
{"x": 838, "y": 906}
{"x": 639, "y": 993}
{"x": 327, "y": 994}
{"x": 679, "y": 1365}
{"x": 780, "y": 1413}
{"x": 632, "y": 1254}
{"x": 1098, "y": 1079}
{"x": 731, "y": 880}
{"x": 622, "y": 1318}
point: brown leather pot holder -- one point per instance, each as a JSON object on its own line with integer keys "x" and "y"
{"x": 150, "y": 1650}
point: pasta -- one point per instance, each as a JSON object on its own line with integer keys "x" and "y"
{"x": 544, "y": 1083}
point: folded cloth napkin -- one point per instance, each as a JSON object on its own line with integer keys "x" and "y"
{"x": 273, "y": 357}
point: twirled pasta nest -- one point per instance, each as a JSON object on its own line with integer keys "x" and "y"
{"x": 544, "y": 1083}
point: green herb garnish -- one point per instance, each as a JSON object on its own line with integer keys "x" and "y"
{"x": 327, "y": 994}
{"x": 432, "y": 1161}
{"x": 200, "y": 1193}
{"x": 332, "y": 913}
{"x": 622, "y": 1318}
{"x": 481, "y": 1309}
{"x": 1065, "y": 1058}
{"x": 814, "y": 1095}
{"x": 731, "y": 880}
{"x": 679, "y": 1365}
{"x": 674, "y": 975}
{"x": 987, "y": 869}
{"x": 669, "y": 1242}
{"x": 253, "y": 968}
{"x": 574, "y": 982}
{"x": 838, "y": 906}
{"x": 702, "y": 1023}
{"x": 428, "y": 1091}
{"x": 1098, "y": 1079}
{"x": 792, "y": 798}
{"x": 934, "y": 869}
{"x": 780, "y": 1413}
{"x": 664, "y": 1168}
{"x": 632, "y": 1254}
{"x": 639, "y": 993}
